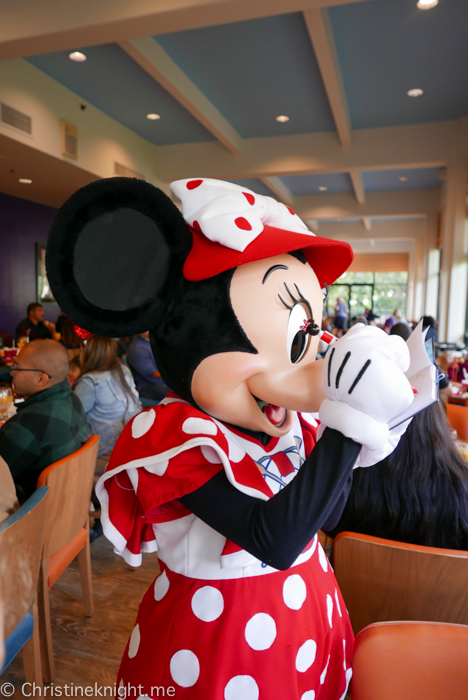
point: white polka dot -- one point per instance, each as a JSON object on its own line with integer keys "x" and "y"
{"x": 134, "y": 642}
{"x": 185, "y": 668}
{"x": 143, "y": 422}
{"x": 194, "y": 426}
{"x": 322, "y": 558}
{"x": 309, "y": 695}
{"x": 241, "y": 688}
{"x": 330, "y": 610}
{"x": 159, "y": 468}
{"x": 337, "y": 601}
{"x": 133, "y": 476}
{"x": 161, "y": 586}
{"x": 208, "y": 603}
{"x": 260, "y": 631}
{"x": 306, "y": 655}
{"x": 236, "y": 453}
{"x": 210, "y": 454}
{"x": 324, "y": 672}
{"x": 294, "y": 592}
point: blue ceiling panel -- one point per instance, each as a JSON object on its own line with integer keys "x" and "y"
{"x": 336, "y": 183}
{"x": 417, "y": 179}
{"x": 111, "y": 81}
{"x": 387, "y": 47}
{"x": 255, "y": 70}
{"x": 255, "y": 185}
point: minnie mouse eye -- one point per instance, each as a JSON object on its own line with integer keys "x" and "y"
{"x": 297, "y": 339}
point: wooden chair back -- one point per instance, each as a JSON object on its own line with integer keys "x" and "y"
{"x": 458, "y": 419}
{"x": 384, "y": 580}
{"x": 71, "y": 481}
{"x": 21, "y": 536}
{"x": 411, "y": 660}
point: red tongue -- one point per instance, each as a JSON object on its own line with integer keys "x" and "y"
{"x": 275, "y": 414}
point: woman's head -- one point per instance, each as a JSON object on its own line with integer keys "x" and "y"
{"x": 99, "y": 354}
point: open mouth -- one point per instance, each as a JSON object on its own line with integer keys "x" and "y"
{"x": 275, "y": 414}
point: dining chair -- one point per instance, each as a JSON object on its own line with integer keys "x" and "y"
{"x": 21, "y": 539}
{"x": 411, "y": 661}
{"x": 458, "y": 419}
{"x": 66, "y": 537}
{"x": 384, "y": 580}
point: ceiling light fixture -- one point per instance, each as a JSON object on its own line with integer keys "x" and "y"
{"x": 415, "y": 92}
{"x": 25, "y": 181}
{"x": 426, "y": 4}
{"x": 152, "y": 116}
{"x": 402, "y": 179}
{"x": 282, "y": 118}
{"x": 323, "y": 189}
{"x": 77, "y": 56}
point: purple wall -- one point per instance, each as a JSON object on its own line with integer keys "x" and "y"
{"x": 22, "y": 225}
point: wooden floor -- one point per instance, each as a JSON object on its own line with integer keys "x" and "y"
{"x": 88, "y": 650}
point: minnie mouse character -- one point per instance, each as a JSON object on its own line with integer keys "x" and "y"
{"x": 226, "y": 478}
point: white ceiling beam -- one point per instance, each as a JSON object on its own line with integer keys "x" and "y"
{"x": 318, "y": 26}
{"x": 367, "y": 223}
{"x": 279, "y": 189}
{"x": 415, "y": 146}
{"x": 29, "y": 28}
{"x": 160, "y": 66}
{"x": 407, "y": 203}
{"x": 358, "y": 186}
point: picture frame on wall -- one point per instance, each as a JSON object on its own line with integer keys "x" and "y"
{"x": 44, "y": 293}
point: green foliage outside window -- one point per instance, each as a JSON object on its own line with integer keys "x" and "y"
{"x": 382, "y": 291}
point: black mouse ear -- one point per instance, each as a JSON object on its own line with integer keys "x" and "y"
{"x": 115, "y": 253}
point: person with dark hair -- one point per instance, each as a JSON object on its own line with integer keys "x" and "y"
{"x": 33, "y": 326}
{"x": 418, "y": 494}
{"x": 431, "y": 324}
{"x": 401, "y": 329}
{"x": 107, "y": 392}
{"x": 68, "y": 338}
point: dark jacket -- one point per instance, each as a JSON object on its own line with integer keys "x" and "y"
{"x": 48, "y": 425}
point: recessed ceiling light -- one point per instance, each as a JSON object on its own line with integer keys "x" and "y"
{"x": 402, "y": 179}
{"x": 426, "y": 4}
{"x": 77, "y": 56}
{"x": 415, "y": 92}
{"x": 323, "y": 189}
{"x": 25, "y": 181}
{"x": 152, "y": 116}
{"x": 282, "y": 118}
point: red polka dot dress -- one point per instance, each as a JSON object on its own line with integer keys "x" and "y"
{"x": 218, "y": 624}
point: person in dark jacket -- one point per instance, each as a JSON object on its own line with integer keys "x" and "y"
{"x": 145, "y": 373}
{"x": 50, "y": 423}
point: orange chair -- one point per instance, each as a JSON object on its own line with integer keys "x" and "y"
{"x": 384, "y": 580}
{"x": 458, "y": 419}
{"x": 411, "y": 661}
{"x": 21, "y": 538}
{"x": 70, "y": 481}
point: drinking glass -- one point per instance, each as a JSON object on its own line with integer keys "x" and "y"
{"x": 6, "y": 401}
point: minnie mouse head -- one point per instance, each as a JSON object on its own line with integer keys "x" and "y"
{"x": 228, "y": 288}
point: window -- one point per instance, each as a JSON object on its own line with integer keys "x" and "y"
{"x": 383, "y": 292}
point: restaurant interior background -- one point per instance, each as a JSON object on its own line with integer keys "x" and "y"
{"x": 354, "y": 114}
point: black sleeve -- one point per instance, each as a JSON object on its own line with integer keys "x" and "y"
{"x": 276, "y": 531}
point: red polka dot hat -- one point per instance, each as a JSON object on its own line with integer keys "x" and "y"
{"x": 232, "y": 226}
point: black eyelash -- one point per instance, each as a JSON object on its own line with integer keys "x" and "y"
{"x": 296, "y": 301}
{"x": 325, "y": 291}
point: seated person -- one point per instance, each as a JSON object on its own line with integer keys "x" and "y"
{"x": 401, "y": 329}
{"x": 34, "y": 327}
{"x": 418, "y": 494}
{"x": 50, "y": 423}
{"x": 145, "y": 373}
{"x": 107, "y": 392}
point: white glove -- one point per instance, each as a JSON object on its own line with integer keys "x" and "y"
{"x": 366, "y": 387}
